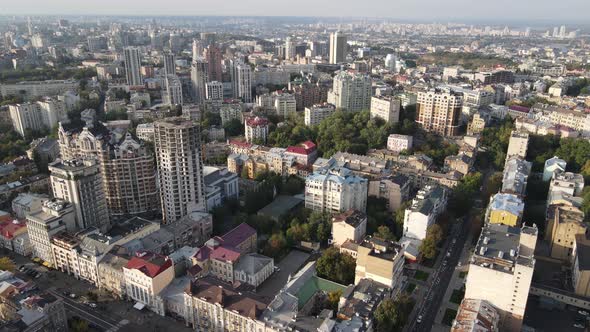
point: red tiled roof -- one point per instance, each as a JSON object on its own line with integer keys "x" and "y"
{"x": 9, "y": 229}
{"x": 150, "y": 264}
{"x": 240, "y": 144}
{"x": 203, "y": 253}
{"x": 257, "y": 121}
{"x": 304, "y": 148}
{"x": 519, "y": 108}
{"x": 225, "y": 254}
{"x": 239, "y": 234}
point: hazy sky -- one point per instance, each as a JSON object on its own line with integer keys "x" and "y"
{"x": 448, "y": 10}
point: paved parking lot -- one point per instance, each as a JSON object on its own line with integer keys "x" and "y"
{"x": 556, "y": 319}
{"x": 288, "y": 266}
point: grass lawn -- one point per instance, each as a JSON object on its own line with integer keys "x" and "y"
{"x": 457, "y": 296}
{"x": 462, "y": 274}
{"x": 410, "y": 288}
{"x": 450, "y": 315}
{"x": 421, "y": 275}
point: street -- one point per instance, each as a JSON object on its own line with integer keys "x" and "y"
{"x": 427, "y": 310}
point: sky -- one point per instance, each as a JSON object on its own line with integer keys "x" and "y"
{"x": 448, "y": 10}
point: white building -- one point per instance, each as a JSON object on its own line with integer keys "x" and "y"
{"x": 518, "y": 144}
{"x": 145, "y": 131}
{"x": 315, "y": 114}
{"x": 351, "y": 91}
{"x": 338, "y": 47}
{"x": 552, "y": 166}
{"x": 55, "y": 216}
{"x": 80, "y": 183}
{"x": 349, "y": 226}
{"x": 256, "y": 129}
{"x": 399, "y": 143}
{"x": 425, "y": 208}
{"x": 178, "y": 155}
{"x": 501, "y": 271}
{"x": 172, "y": 94}
{"x": 335, "y": 190}
{"x": 199, "y": 79}
{"x": 214, "y": 91}
{"x": 386, "y": 108}
{"x": 37, "y": 116}
{"x": 284, "y": 104}
{"x": 146, "y": 275}
{"x": 241, "y": 75}
{"x": 26, "y": 203}
{"x": 34, "y": 89}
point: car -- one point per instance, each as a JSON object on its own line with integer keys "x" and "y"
{"x": 21, "y": 268}
{"x": 578, "y": 326}
{"x": 448, "y": 254}
{"x": 92, "y": 305}
{"x": 454, "y": 241}
{"x": 583, "y": 312}
{"x": 419, "y": 319}
{"x": 459, "y": 264}
{"x": 72, "y": 295}
{"x": 277, "y": 269}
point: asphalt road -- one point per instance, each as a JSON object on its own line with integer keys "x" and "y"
{"x": 87, "y": 313}
{"x": 441, "y": 278}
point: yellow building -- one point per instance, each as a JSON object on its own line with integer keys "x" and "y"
{"x": 581, "y": 265}
{"x": 378, "y": 260}
{"x": 563, "y": 224}
{"x": 505, "y": 209}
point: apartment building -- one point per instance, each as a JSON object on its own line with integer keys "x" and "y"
{"x": 256, "y": 129}
{"x": 439, "y": 111}
{"x": 429, "y": 202}
{"x": 54, "y": 217}
{"x": 178, "y": 155}
{"x": 386, "y": 108}
{"x": 80, "y": 183}
{"x": 350, "y": 225}
{"x": 335, "y": 190}
{"x": 501, "y": 271}
{"x": 552, "y": 166}
{"x": 394, "y": 189}
{"x": 515, "y": 176}
{"x": 581, "y": 266}
{"x": 314, "y": 115}
{"x": 399, "y": 143}
{"x": 37, "y": 116}
{"x": 518, "y": 144}
{"x": 476, "y": 315}
{"x": 564, "y": 223}
{"x": 35, "y": 89}
{"x": 351, "y": 91}
{"x": 379, "y": 260}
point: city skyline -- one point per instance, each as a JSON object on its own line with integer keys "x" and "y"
{"x": 544, "y": 10}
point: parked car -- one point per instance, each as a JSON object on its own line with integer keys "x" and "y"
{"x": 583, "y": 312}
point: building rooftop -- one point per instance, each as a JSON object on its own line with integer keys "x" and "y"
{"x": 281, "y": 205}
{"x": 252, "y": 263}
{"x": 499, "y": 247}
{"x": 256, "y": 122}
{"x": 583, "y": 251}
{"x": 149, "y": 263}
{"x": 237, "y": 235}
{"x": 476, "y": 315}
{"x": 217, "y": 292}
{"x": 351, "y": 217}
{"x": 507, "y": 202}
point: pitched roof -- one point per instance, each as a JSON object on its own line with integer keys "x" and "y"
{"x": 150, "y": 264}
{"x": 238, "y": 235}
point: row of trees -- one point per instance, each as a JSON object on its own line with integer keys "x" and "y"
{"x": 392, "y": 314}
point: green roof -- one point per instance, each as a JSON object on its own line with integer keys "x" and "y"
{"x": 315, "y": 284}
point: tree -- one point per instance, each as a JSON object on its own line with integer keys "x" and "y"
{"x": 276, "y": 245}
{"x": 433, "y": 237}
{"x": 383, "y": 232}
{"x": 391, "y": 315}
{"x": 335, "y": 266}
{"x": 464, "y": 194}
{"x": 6, "y": 264}
{"x": 333, "y": 299}
{"x": 586, "y": 203}
{"x": 233, "y": 128}
{"x": 79, "y": 325}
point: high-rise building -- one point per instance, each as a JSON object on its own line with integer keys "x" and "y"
{"x": 289, "y": 49}
{"x": 214, "y": 90}
{"x": 241, "y": 75}
{"x": 173, "y": 91}
{"x": 386, "y": 108}
{"x": 133, "y": 66}
{"x": 55, "y": 216}
{"x": 37, "y": 116}
{"x": 169, "y": 60}
{"x": 178, "y": 154}
{"x": 127, "y": 166}
{"x": 199, "y": 78}
{"x": 197, "y": 49}
{"x": 439, "y": 111}
{"x": 501, "y": 271}
{"x": 351, "y": 91}
{"x": 338, "y": 47}
{"x": 80, "y": 183}
{"x": 214, "y": 58}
